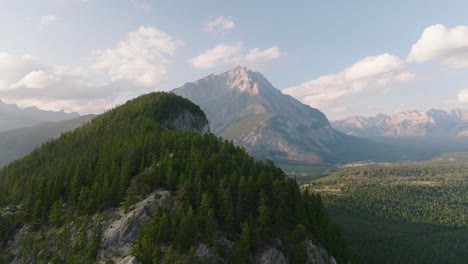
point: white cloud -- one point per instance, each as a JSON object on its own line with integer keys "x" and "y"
{"x": 255, "y": 55}
{"x": 49, "y": 20}
{"x": 135, "y": 64}
{"x": 463, "y": 96}
{"x": 362, "y": 75}
{"x": 141, "y": 58}
{"x": 219, "y": 24}
{"x": 28, "y": 82}
{"x": 14, "y": 68}
{"x": 36, "y": 79}
{"x": 3, "y": 86}
{"x": 141, "y": 5}
{"x": 447, "y": 46}
{"x": 223, "y": 54}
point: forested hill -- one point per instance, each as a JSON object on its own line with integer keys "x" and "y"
{"x": 56, "y": 203}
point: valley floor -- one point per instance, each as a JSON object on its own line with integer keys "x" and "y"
{"x": 401, "y": 213}
{"x": 378, "y": 240}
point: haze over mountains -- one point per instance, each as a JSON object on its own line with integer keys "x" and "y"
{"x": 243, "y": 106}
{"x": 410, "y": 123}
{"x": 18, "y": 142}
{"x": 12, "y": 116}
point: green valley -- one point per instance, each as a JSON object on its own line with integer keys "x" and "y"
{"x": 401, "y": 213}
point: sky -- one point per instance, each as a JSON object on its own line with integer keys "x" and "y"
{"x": 343, "y": 57}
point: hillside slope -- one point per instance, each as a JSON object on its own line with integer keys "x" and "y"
{"x": 145, "y": 182}
{"x": 18, "y": 142}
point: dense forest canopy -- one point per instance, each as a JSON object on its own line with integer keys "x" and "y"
{"x": 409, "y": 213}
{"x": 127, "y": 153}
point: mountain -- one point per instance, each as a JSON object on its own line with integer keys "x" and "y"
{"x": 410, "y": 123}
{"x": 18, "y": 142}
{"x": 11, "y": 116}
{"x": 243, "y": 106}
{"x": 146, "y": 183}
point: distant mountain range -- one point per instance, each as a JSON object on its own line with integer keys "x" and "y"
{"x": 12, "y": 116}
{"x": 410, "y": 123}
{"x": 243, "y": 106}
{"x": 18, "y": 142}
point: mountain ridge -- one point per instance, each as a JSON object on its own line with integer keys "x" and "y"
{"x": 433, "y": 122}
{"x": 12, "y": 116}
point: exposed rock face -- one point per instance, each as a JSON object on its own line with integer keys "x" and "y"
{"x": 410, "y": 123}
{"x": 315, "y": 254}
{"x": 189, "y": 121}
{"x": 241, "y": 105}
{"x": 208, "y": 254}
{"x": 129, "y": 260}
{"x": 270, "y": 256}
{"x": 123, "y": 227}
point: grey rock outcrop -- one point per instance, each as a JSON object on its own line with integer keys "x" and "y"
{"x": 270, "y": 256}
{"x": 188, "y": 121}
{"x": 316, "y": 255}
{"x": 123, "y": 227}
{"x": 129, "y": 260}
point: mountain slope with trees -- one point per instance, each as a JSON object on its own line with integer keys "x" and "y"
{"x": 55, "y": 201}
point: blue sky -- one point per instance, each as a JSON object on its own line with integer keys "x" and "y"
{"x": 343, "y": 57}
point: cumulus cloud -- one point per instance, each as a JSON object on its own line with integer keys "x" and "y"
{"x": 218, "y": 24}
{"x": 463, "y": 96}
{"x": 36, "y": 79}
{"x": 221, "y": 54}
{"x": 256, "y": 54}
{"x": 27, "y": 82}
{"x": 133, "y": 66}
{"x": 13, "y": 68}
{"x": 30, "y": 83}
{"x": 447, "y": 46}
{"x": 141, "y": 58}
{"x": 224, "y": 54}
{"x": 362, "y": 75}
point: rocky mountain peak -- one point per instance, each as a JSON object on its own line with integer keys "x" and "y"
{"x": 244, "y": 80}
{"x": 243, "y": 106}
{"x": 434, "y": 122}
{"x": 411, "y": 117}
